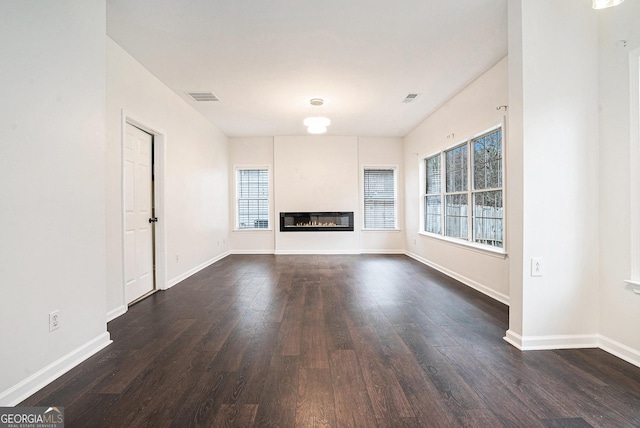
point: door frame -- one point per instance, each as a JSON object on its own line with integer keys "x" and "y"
{"x": 159, "y": 161}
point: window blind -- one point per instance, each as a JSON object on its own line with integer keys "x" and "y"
{"x": 253, "y": 198}
{"x": 379, "y": 199}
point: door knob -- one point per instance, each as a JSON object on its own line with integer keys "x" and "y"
{"x": 153, "y": 220}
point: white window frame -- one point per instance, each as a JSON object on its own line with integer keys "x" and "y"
{"x": 445, "y": 192}
{"x": 469, "y": 243}
{"x": 634, "y": 198}
{"x": 393, "y": 168}
{"x": 236, "y": 220}
{"x": 425, "y": 195}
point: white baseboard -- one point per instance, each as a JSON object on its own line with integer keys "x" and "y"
{"x": 311, "y": 252}
{"x": 514, "y": 339}
{"x": 384, "y": 251}
{"x": 252, "y": 252}
{"x": 611, "y": 346}
{"x": 307, "y": 252}
{"x": 40, "y": 379}
{"x": 196, "y": 269}
{"x": 115, "y": 313}
{"x": 503, "y": 298}
{"x": 620, "y": 350}
{"x": 561, "y": 341}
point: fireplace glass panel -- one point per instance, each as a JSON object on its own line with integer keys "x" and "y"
{"x": 316, "y": 222}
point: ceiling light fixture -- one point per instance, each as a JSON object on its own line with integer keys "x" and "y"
{"x": 316, "y": 129}
{"x": 602, "y": 4}
{"x": 316, "y": 124}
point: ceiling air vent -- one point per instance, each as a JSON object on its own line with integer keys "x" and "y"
{"x": 410, "y": 98}
{"x": 203, "y": 96}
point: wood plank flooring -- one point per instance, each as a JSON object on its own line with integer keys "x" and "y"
{"x": 334, "y": 341}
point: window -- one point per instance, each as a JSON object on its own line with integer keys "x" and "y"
{"x": 380, "y": 198}
{"x": 433, "y": 197}
{"x": 472, "y": 193}
{"x": 253, "y": 198}
{"x": 487, "y": 189}
{"x": 634, "y": 170}
{"x": 456, "y": 222}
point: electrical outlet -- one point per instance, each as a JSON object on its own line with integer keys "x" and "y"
{"x": 177, "y": 257}
{"x": 537, "y": 268}
{"x": 54, "y": 320}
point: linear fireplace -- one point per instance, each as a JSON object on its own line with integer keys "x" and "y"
{"x": 316, "y": 222}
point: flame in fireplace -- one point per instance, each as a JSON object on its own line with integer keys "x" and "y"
{"x": 316, "y": 224}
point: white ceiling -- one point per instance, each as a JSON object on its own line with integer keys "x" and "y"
{"x": 265, "y": 59}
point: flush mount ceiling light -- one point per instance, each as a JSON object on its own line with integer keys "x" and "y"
{"x": 601, "y": 4}
{"x": 316, "y": 124}
{"x": 316, "y": 129}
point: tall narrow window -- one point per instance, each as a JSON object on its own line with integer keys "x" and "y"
{"x": 380, "y": 198}
{"x": 487, "y": 189}
{"x": 433, "y": 195}
{"x": 634, "y": 169}
{"x": 456, "y": 199}
{"x": 253, "y": 198}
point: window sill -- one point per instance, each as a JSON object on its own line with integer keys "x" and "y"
{"x": 635, "y": 285}
{"x": 478, "y": 248}
{"x": 253, "y": 230}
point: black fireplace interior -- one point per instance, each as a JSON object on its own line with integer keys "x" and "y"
{"x": 316, "y": 222}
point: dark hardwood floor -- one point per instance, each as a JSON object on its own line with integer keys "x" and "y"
{"x": 331, "y": 341}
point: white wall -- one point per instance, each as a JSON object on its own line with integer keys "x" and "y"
{"x": 316, "y": 173}
{"x": 554, "y": 117}
{"x": 246, "y": 152}
{"x": 471, "y": 111}
{"x": 52, "y": 249}
{"x": 196, "y": 186}
{"x": 619, "y": 306}
{"x": 515, "y": 162}
{"x": 382, "y": 152}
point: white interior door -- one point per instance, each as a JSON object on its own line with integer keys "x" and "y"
{"x": 138, "y": 206}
